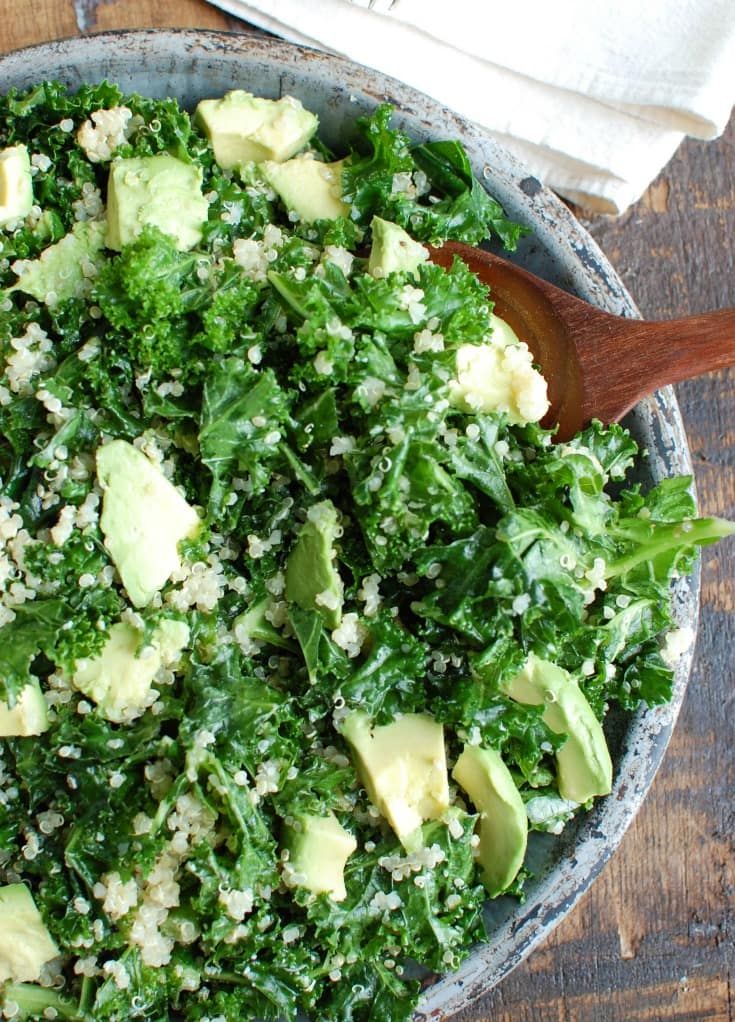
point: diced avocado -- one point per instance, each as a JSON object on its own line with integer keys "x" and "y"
{"x": 119, "y": 678}
{"x": 59, "y": 272}
{"x": 144, "y": 518}
{"x": 308, "y": 187}
{"x": 318, "y": 847}
{"x": 503, "y": 829}
{"x": 25, "y": 943}
{"x": 584, "y": 767}
{"x": 502, "y": 333}
{"x": 393, "y": 250}
{"x": 28, "y": 715}
{"x": 160, "y": 191}
{"x": 312, "y": 579}
{"x": 243, "y": 128}
{"x": 403, "y": 768}
{"x": 499, "y": 376}
{"x": 16, "y": 184}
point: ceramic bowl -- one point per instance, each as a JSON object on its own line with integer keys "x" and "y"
{"x": 191, "y": 65}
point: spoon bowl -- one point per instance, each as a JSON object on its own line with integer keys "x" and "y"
{"x": 596, "y": 365}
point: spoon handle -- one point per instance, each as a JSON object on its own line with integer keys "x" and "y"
{"x": 645, "y": 355}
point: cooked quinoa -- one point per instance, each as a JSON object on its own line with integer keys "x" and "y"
{"x": 178, "y": 745}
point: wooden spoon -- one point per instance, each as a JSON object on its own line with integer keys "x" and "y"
{"x": 596, "y": 365}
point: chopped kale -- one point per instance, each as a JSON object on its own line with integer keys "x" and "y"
{"x": 264, "y": 372}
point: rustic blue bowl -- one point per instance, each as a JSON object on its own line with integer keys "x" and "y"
{"x": 191, "y": 65}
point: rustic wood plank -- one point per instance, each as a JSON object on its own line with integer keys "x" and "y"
{"x": 24, "y": 24}
{"x": 653, "y": 939}
{"x": 691, "y": 1000}
{"x": 156, "y": 14}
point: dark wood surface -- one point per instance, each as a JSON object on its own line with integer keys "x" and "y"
{"x": 654, "y": 939}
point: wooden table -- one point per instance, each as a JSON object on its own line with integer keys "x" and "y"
{"x": 655, "y": 937}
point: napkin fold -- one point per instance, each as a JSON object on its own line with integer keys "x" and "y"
{"x": 594, "y": 97}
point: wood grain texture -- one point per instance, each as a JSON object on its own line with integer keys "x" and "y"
{"x": 26, "y": 23}
{"x": 654, "y": 939}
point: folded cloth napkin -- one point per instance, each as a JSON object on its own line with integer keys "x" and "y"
{"x": 594, "y": 97}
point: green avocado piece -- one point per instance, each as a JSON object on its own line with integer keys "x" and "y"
{"x": 308, "y": 187}
{"x": 403, "y": 768}
{"x": 584, "y": 767}
{"x": 160, "y": 191}
{"x": 502, "y": 333}
{"x": 312, "y": 579}
{"x": 503, "y": 829}
{"x": 393, "y": 250}
{"x": 25, "y": 943}
{"x": 28, "y": 716}
{"x": 498, "y": 375}
{"x": 318, "y": 848}
{"x": 119, "y": 678}
{"x": 243, "y": 128}
{"x": 16, "y": 184}
{"x": 144, "y": 518}
{"x": 59, "y": 272}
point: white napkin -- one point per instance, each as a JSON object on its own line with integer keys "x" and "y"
{"x": 593, "y": 95}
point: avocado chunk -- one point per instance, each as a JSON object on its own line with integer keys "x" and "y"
{"x": 393, "y": 250}
{"x": 119, "y": 678}
{"x": 308, "y": 187}
{"x": 243, "y": 128}
{"x": 312, "y": 579}
{"x": 27, "y": 717}
{"x": 318, "y": 848}
{"x": 584, "y": 767}
{"x": 403, "y": 768}
{"x": 503, "y": 829}
{"x": 16, "y": 184}
{"x": 59, "y": 272}
{"x": 159, "y": 191}
{"x": 144, "y": 518}
{"x": 25, "y": 943}
{"x": 499, "y": 376}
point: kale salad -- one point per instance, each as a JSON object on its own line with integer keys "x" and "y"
{"x": 305, "y": 620}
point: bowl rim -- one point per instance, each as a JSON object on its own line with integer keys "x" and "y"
{"x": 558, "y": 235}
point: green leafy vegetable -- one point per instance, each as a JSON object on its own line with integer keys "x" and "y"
{"x": 262, "y": 373}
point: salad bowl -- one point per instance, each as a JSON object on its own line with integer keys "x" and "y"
{"x": 192, "y": 65}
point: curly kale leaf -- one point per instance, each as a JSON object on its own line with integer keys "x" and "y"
{"x": 463, "y": 210}
{"x": 147, "y": 992}
{"x": 226, "y": 318}
{"x": 389, "y": 678}
{"x": 432, "y": 921}
{"x": 242, "y": 410}
{"x": 660, "y": 539}
{"x": 32, "y": 631}
{"x": 34, "y": 1001}
{"x": 477, "y": 461}
{"x": 140, "y": 292}
{"x": 469, "y": 570}
{"x": 367, "y": 181}
{"x": 466, "y": 212}
{"x": 325, "y": 662}
{"x": 240, "y": 711}
{"x": 400, "y": 492}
